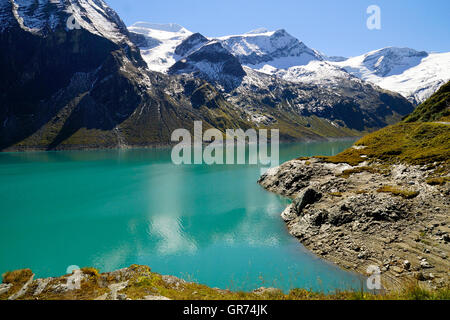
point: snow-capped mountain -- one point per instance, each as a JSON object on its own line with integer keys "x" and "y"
{"x": 74, "y": 77}
{"x": 277, "y": 49}
{"x": 416, "y": 75}
{"x": 44, "y": 16}
{"x": 161, "y": 40}
{"x": 320, "y": 73}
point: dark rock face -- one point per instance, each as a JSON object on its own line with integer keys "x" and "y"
{"x": 355, "y": 225}
{"x": 67, "y": 89}
{"x": 213, "y": 63}
{"x": 142, "y": 41}
{"x": 192, "y": 42}
{"x": 306, "y": 197}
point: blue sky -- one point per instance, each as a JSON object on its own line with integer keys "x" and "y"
{"x": 331, "y": 26}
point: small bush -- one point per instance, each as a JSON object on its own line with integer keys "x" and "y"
{"x": 17, "y": 276}
{"x": 91, "y": 272}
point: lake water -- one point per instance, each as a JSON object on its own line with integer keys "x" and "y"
{"x": 111, "y": 209}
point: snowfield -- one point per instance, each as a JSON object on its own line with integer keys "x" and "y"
{"x": 162, "y": 40}
{"x": 415, "y": 75}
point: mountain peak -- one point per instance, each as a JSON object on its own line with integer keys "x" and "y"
{"x": 44, "y": 16}
{"x": 277, "y": 49}
{"x": 258, "y": 31}
{"x": 166, "y": 27}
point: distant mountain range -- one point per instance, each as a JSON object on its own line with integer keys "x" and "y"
{"x": 99, "y": 84}
{"x": 415, "y": 75}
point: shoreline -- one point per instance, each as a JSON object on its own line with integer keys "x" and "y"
{"x": 138, "y": 282}
{"x": 30, "y": 149}
{"x": 409, "y": 245}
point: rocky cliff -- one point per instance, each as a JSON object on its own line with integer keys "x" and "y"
{"x": 384, "y": 202}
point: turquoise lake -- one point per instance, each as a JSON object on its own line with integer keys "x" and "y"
{"x": 110, "y": 209}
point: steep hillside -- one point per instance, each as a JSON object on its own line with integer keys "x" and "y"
{"x": 423, "y": 138}
{"x": 437, "y": 108}
{"x": 88, "y": 87}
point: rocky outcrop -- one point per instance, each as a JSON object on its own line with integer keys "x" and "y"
{"x": 386, "y": 216}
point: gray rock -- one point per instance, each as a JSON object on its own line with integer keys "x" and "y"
{"x": 289, "y": 213}
{"x": 406, "y": 265}
{"x": 307, "y": 196}
{"x": 23, "y": 290}
{"x": 156, "y": 298}
{"x": 4, "y": 287}
{"x": 424, "y": 264}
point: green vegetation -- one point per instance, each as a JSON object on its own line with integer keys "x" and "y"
{"x": 422, "y": 138}
{"x": 437, "y": 108}
{"x": 17, "y": 276}
{"x": 407, "y": 194}
{"x": 412, "y": 143}
{"x": 439, "y": 181}
{"x": 347, "y": 173}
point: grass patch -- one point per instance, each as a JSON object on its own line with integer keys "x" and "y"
{"x": 93, "y": 272}
{"x": 406, "y": 194}
{"x": 17, "y": 276}
{"x": 347, "y": 173}
{"x": 412, "y": 143}
{"x": 418, "y": 140}
{"x": 439, "y": 181}
{"x": 435, "y": 108}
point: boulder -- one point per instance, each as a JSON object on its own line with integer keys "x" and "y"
{"x": 307, "y": 196}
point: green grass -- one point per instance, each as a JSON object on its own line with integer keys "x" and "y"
{"x": 437, "y": 108}
{"x": 404, "y": 193}
{"x": 412, "y": 143}
{"x": 418, "y": 140}
{"x": 438, "y": 181}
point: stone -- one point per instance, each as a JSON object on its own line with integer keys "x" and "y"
{"x": 406, "y": 265}
{"x": 424, "y": 264}
{"x": 397, "y": 269}
{"x": 289, "y": 213}
{"x": 4, "y": 287}
{"x": 307, "y": 196}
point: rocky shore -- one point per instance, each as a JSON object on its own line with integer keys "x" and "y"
{"x": 395, "y": 217}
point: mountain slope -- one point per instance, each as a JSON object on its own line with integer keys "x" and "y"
{"x": 349, "y": 103}
{"x": 436, "y": 108}
{"x": 423, "y": 138}
{"x": 89, "y": 89}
